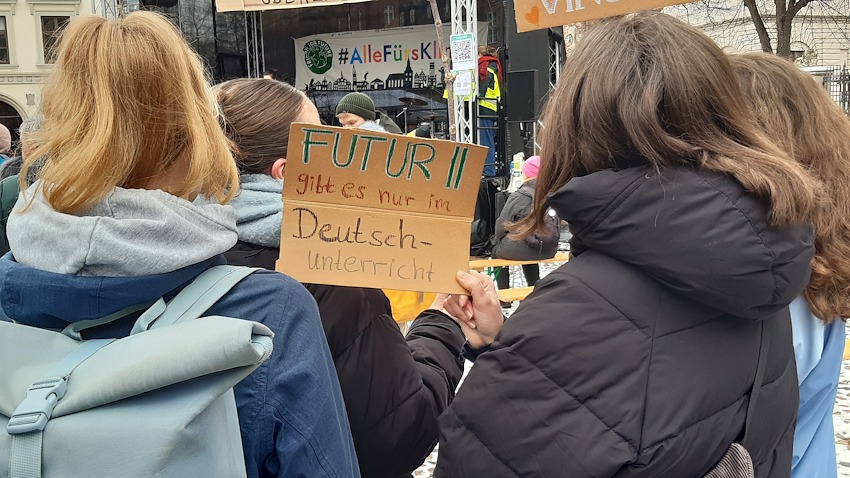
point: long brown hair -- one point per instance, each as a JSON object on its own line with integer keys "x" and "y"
{"x": 652, "y": 86}
{"x": 802, "y": 119}
{"x": 126, "y": 100}
{"x": 257, "y": 115}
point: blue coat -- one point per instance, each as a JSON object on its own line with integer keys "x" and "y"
{"x": 291, "y": 410}
{"x": 819, "y": 350}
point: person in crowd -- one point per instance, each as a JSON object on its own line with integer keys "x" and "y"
{"x": 356, "y": 110}
{"x": 801, "y": 117}
{"x": 5, "y": 143}
{"x": 538, "y": 246}
{"x": 638, "y": 357}
{"x": 13, "y": 166}
{"x": 112, "y": 203}
{"x": 489, "y": 95}
{"x": 394, "y": 387}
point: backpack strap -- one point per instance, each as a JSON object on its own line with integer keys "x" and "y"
{"x": 210, "y": 286}
{"x": 31, "y": 416}
{"x": 73, "y": 330}
{"x": 764, "y": 348}
{"x": 197, "y": 297}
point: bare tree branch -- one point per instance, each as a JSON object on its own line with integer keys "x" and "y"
{"x": 796, "y": 7}
{"x": 764, "y": 37}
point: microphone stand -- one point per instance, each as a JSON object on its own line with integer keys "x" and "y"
{"x": 403, "y": 112}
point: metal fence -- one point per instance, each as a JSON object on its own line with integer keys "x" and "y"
{"x": 837, "y": 83}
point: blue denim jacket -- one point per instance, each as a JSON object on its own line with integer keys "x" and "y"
{"x": 291, "y": 410}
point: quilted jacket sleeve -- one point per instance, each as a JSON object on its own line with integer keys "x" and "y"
{"x": 527, "y": 407}
{"x": 394, "y": 387}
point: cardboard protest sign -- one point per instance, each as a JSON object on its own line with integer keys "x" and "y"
{"x": 539, "y": 14}
{"x": 253, "y": 5}
{"x": 370, "y": 209}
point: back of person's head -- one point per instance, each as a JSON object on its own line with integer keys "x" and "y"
{"x": 26, "y": 130}
{"x": 126, "y": 101}
{"x": 801, "y": 118}
{"x": 649, "y": 89}
{"x": 531, "y": 167}
{"x": 5, "y": 139}
{"x": 257, "y": 115}
{"x": 358, "y": 104}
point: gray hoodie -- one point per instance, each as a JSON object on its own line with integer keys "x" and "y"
{"x": 132, "y": 232}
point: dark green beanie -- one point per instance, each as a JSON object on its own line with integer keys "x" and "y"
{"x": 357, "y": 104}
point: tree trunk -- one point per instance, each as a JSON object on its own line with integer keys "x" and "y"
{"x": 450, "y": 77}
{"x": 783, "y": 28}
{"x": 783, "y": 36}
{"x": 755, "y": 15}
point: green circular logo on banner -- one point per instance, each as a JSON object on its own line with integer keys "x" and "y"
{"x": 318, "y": 56}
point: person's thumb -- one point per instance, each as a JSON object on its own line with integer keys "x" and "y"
{"x": 469, "y": 282}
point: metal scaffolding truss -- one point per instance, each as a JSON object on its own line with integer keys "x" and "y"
{"x": 556, "y": 61}
{"x": 464, "y": 20}
{"x": 254, "y": 44}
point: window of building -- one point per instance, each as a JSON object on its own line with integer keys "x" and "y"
{"x": 412, "y": 17}
{"x": 401, "y": 18}
{"x": 50, "y": 29}
{"x": 389, "y": 15}
{"x": 4, "y": 42}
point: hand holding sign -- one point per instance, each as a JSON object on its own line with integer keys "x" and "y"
{"x": 378, "y": 210}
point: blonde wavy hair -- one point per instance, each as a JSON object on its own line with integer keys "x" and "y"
{"x": 127, "y": 99}
{"x": 652, "y": 86}
{"x": 802, "y": 119}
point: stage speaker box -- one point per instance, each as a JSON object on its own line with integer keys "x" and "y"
{"x": 521, "y": 103}
{"x": 527, "y": 82}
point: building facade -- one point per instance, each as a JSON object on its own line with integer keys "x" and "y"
{"x": 820, "y": 36}
{"x": 28, "y": 32}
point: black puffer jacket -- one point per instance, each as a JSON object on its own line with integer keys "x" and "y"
{"x": 541, "y": 245}
{"x": 636, "y": 358}
{"x": 394, "y": 388}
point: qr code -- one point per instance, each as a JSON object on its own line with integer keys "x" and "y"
{"x": 463, "y": 51}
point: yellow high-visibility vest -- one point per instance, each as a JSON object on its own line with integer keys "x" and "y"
{"x": 494, "y": 92}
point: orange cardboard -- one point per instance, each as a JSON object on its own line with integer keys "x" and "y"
{"x": 377, "y": 210}
{"x": 254, "y": 5}
{"x": 540, "y": 14}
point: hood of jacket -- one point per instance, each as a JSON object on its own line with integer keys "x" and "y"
{"x": 132, "y": 232}
{"x": 697, "y": 232}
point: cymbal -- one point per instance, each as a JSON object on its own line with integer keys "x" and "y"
{"x": 429, "y": 116}
{"x": 410, "y": 101}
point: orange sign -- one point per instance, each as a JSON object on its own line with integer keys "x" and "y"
{"x": 251, "y": 5}
{"x": 539, "y": 14}
{"x": 379, "y": 210}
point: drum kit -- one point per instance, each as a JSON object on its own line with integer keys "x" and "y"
{"x": 437, "y": 122}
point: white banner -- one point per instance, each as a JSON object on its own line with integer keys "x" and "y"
{"x": 394, "y": 58}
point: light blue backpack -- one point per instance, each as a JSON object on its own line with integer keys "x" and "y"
{"x": 158, "y": 402}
